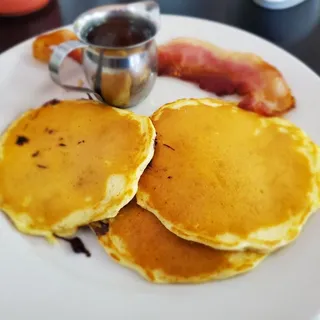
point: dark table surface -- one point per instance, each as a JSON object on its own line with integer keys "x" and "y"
{"x": 296, "y": 29}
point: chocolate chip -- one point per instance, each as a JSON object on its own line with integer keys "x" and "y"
{"x": 35, "y": 154}
{"x": 51, "y": 102}
{"x": 41, "y": 166}
{"x": 100, "y": 228}
{"x": 77, "y": 245}
{"x": 21, "y": 140}
{"x": 50, "y": 131}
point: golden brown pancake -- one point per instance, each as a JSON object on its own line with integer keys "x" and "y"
{"x": 70, "y": 163}
{"x": 229, "y": 178}
{"x": 138, "y": 240}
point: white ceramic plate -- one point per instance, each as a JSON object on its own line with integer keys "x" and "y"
{"x": 39, "y": 281}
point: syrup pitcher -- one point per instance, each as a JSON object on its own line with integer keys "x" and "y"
{"x": 119, "y": 52}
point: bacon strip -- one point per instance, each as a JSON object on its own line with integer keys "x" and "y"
{"x": 43, "y": 44}
{"x": 223, "y": 72}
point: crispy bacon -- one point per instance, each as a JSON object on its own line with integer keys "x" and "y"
{"x": 223, "y": 72}
{"x": 42, "y": 46}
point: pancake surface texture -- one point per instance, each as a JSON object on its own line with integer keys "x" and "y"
{"x": 68, "y": 163}
{"x": 138, "y": 240}
{"x": 228, "y": 178}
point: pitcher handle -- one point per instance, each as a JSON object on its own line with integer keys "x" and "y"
{"x": 58, "y": 55}
{"x": 151, "y": 8}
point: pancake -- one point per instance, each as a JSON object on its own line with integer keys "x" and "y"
{"x": 138, "y": 240}
{"x": 69, "y": 163}
{"x": 229, "y": 178}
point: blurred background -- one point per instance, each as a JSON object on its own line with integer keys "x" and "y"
{"x": 296, "y": 29}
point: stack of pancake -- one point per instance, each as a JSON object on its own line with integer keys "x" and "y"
{"x": 225, "y": 187}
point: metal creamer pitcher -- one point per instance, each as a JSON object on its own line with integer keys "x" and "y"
{"x": 121, "y": 76}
